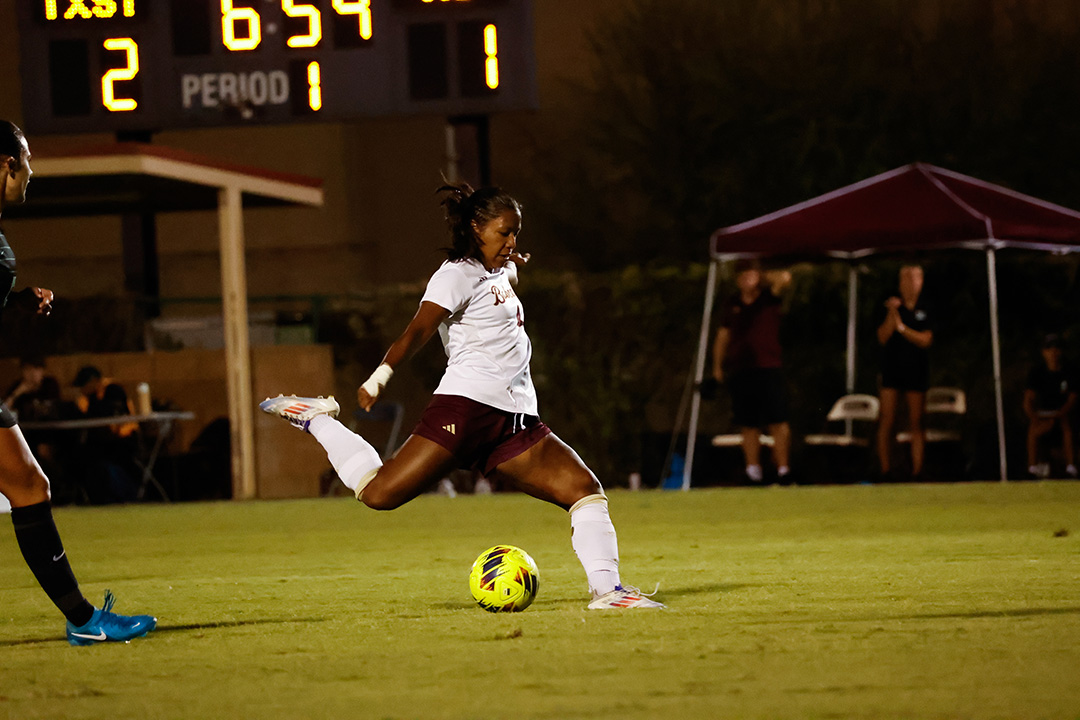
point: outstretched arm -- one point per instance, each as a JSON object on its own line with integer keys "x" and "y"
{"x": 420, "y": 329}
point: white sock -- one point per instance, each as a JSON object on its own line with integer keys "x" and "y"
{"x": 783, "y": 471}
{"x": 754, "y": 472}
{"x": 594, "y": 541}
{"x": 351, "y": 455}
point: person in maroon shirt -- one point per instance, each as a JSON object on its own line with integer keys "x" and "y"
{"x": 747, "y": 357}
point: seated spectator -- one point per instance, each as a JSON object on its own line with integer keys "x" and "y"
{"x": 100, "y": 396}
{"x": 35, "y": 396}
{"x": 1049, "y": 398}
{"x": 109, "y": 452}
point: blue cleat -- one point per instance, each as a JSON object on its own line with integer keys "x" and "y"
{"x": 106, "y": 626}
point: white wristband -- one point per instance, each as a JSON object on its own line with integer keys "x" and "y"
{"x": 374, "y": 384}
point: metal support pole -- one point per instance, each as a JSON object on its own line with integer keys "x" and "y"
{"x": 853, "y": 310}
{"x": 995, "y": 343}
{"x": 699, "y": 373}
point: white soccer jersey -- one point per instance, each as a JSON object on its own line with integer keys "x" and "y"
{"x": 486, "y": 345}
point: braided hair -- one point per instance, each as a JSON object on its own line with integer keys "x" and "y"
{"x": 463, "y": 207}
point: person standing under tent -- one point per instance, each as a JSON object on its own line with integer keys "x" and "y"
{"x": 905, "y": 336}
{"x": 22, "y": 481}
{"x": 484, "y": 413}
{"x": 747, "y": 358}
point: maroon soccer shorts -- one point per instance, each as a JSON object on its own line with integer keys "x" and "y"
{"x": 480, "y": 436}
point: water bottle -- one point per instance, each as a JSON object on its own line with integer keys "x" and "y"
{"x": 142, "y": 402}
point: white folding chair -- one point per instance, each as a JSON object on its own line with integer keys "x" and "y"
{"x": 848, "y": 409}
{"x": 949, "y": 402}
{"x": 729, "y": 440}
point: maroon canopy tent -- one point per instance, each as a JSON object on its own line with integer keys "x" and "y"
{"x": 915, "y": 207}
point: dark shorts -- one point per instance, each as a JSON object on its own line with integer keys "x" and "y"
{"x": 7, "y": 418}
{"x": 913, "y": 377}
{"x": 758, "y": 397}
{"x": 480, "y": 437}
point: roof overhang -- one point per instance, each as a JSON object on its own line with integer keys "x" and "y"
{"x": 142, "y": 178}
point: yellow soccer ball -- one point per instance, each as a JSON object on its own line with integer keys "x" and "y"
{"x": 504, "y": 579}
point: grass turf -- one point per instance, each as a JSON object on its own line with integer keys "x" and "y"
{"x": 929, "y": 601}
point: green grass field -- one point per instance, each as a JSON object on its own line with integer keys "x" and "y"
{"x": 928, "y": 601}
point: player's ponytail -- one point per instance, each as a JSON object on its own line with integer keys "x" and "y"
{"x": 463, "y": 206}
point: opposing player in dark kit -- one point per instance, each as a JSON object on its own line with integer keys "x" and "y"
{"x": 484, "y": 413}
{"x": 21, "y": 480}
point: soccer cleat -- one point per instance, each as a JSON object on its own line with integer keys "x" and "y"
{"x": 300, "y": 410}
{"x": 106, "y": 626}
{"x": 620, "y": 597}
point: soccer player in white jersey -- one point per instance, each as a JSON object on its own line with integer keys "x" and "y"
{"x": 484, "y": 413}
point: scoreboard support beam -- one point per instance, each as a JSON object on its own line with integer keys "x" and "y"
{"x": 141, "y": 272}
{"x": 237, "y": 348}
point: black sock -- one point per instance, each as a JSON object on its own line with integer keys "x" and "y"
{"x": 44, "y": 552}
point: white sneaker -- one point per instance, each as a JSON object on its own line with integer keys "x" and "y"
{"x": 300, "y": 410}
{"x": 446, "y": 487}
{"x": 620, "y": 597}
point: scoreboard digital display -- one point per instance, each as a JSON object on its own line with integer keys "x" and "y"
{"x": 147, "y": 65}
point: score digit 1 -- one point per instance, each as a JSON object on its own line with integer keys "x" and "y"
{"x": 128, "y": 72}
{"x": 491, "y": 61}
{"x": 314, "y": 78}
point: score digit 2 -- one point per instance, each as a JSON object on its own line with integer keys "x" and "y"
{"x": 120, "y": 74}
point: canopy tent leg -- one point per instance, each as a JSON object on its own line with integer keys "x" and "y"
{"x": 237, "y": 349}
{"x": 995, "y": 344}
{"x": 699, "y": 373}
{"x": 852, "y": 315}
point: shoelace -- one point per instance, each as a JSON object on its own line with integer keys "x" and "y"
{"x": 106, "y": 606}
{"x": 637, "y": 591}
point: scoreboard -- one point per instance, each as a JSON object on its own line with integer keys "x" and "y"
{"x": 148, "y": 65}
